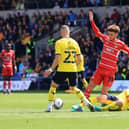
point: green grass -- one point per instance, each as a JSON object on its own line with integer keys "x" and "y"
{"x": 26, "y": 111}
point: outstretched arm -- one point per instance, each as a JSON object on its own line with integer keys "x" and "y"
{"x": 94, "y": 27}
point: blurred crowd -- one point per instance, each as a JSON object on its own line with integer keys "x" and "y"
{"x": 33, "y": 4}
{"x": 15, "y": 27}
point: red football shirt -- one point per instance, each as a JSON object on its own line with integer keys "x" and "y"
{"x": 7, "y": 57}
{"x": 111, "y": 49}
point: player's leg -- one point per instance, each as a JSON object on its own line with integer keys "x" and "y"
{"x": 4, "y": 84}
{"x": 105, "y": 90}
{"x": 95, "y": 79}
{"x": 9, "y": 85}
{"x": 80, "y": 78}
{"x": 83, "y": 80}
{"x": 9, "y": 75}
{"x": 107, "y": 83}
{"x": 85, "y": 83}
{"x": 89, "y": 88}
{"x": 93, "y": 100}
{"x": 87, "y": 93}
{"x": 77, "y": 91}
{"x": 58, "y": 78}
{"x": 4, "y": 75}
{"x": 51, "y": 95}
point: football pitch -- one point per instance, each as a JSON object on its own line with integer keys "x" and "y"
{"x": 26, "y": 111}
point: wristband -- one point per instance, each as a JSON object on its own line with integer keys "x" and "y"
{"x": 50, "y": 69}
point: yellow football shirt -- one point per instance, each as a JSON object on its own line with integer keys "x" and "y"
{"x": 123, "y": 97}
{"x": 80, "y": 66}
{"x": 68, "y": 48}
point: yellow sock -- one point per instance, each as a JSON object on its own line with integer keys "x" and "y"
{"x": 51, "y": 94}
{"x": 85, "y": 83}
{"x": 93, "y": 100}
{"x": 113, "y": 107}
{"x": 82, "y": 104}
{"x": 78, "y": 93}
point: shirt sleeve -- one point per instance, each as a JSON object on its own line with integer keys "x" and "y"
{"x": 57, "y": 48}
{"x": 125, "y": 48}
{"x": 97, "y": 31}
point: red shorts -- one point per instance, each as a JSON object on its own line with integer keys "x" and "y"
{"x": 7, "y": 71}
{"x": 103, "y": 75}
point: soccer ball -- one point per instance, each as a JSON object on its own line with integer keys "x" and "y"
{"x": 58, "y": 103}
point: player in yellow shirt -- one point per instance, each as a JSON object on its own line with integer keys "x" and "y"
{"x": 117, "y": 103}
{"x": 66, "y": 53}
{"x": 80, "y": 70}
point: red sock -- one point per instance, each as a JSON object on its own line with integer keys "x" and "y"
{"x": 81, "y": 101}
{"x": 87, "y": 92}
{"x": 9, "y": 84}
{"x": 4, "y": 85}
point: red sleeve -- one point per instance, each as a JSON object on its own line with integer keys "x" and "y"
{"x": 125, "y": 48}
{"x": 97, "y": 31}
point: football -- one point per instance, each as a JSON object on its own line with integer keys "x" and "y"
{"x": 58, "y": 103}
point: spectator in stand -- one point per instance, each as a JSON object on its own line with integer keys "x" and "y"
{"x": 38, "y": 67}
{"x": 72, "y": 18}
{"x": 56, "y": 6}
{"x": 83, "y": 19}
{"x": 66, "y": 4}
{"x": 116, "y": 15}
{"x": 22, "y": 68}
{"x": 76, "y": 3}
{"x": 20, "y": 4}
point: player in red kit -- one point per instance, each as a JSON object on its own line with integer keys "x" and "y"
{"x": 105, "y": 73}
{"x": 8, "y": 63}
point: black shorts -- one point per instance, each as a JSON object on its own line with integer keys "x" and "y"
{"x": 81, "y": 75}
{"x": 112, "y": 97}
{"x": 60, "y": 77}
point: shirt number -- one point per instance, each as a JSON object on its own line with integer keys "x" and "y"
{"x": 71, "y": 57}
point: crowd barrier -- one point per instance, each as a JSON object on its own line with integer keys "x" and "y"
{"x": 120, "y": 85}
{"x": 19, "y": 85}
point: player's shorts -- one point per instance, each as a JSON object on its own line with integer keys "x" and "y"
{"x": 60, "y": 77}
{"x": 103, "y": 75}
{"x": 7, "y": 71}
{"x": 112, "y": 97}
{"x": 81, "y": 75}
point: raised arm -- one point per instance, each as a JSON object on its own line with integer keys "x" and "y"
{"x": 94, "y": 27}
